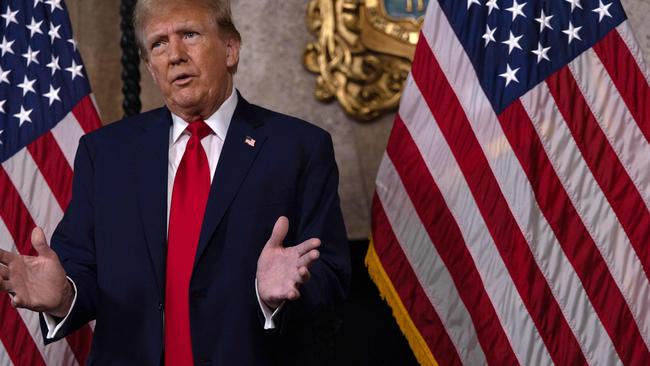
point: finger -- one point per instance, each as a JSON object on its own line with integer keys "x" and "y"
{"x": 307, "y": 259}
{"x": 280, "y": 230}
{"x": 304, "y": 274}
{"x": 307, "y": 245}
{"x": 6, "y": 257}
{"x": 4, "y": 272}
{"x": 40, "y": 243}
{"x": 5, "y": 286}
{"x": 293, "y": 295}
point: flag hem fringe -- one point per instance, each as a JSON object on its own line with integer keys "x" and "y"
{"x": 389, "y": 294}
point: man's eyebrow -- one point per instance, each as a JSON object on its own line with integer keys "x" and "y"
{"x": 188, "y": 26}
{"x": 155, "y": 34}
{"x": 153, "y": 38}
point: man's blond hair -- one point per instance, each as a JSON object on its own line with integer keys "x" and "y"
{"x": 220, "y": 10}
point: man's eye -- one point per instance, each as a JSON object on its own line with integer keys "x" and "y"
{"x": 156, "y": 45}
{"x": 190, "y": 34}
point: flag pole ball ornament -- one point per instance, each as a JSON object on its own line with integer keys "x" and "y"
{"x": 363, "y": 52}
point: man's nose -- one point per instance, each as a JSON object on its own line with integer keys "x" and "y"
{"x": 177, "y": 51}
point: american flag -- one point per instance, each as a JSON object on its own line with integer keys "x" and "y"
{"x": 511, "y": 220}
{"x": 45, "y": 107}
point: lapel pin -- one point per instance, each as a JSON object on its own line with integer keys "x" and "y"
{"x": 250, "y": 141}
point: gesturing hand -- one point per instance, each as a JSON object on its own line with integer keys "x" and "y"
{"x": 280, "y": 270}
{"x": 36, "y": 283}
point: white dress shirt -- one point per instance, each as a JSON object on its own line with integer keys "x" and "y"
{"x": 212, "y": 144}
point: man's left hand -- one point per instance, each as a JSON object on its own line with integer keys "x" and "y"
{"x": 280, "y": 270}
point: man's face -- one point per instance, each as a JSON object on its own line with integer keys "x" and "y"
{"x": 191, "y": 63}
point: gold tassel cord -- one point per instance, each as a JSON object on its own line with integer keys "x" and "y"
{"x": 380, "y": 278}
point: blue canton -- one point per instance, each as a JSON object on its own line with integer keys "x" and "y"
{"x": 516, "y": 44}
{"x": 41, "y": 73}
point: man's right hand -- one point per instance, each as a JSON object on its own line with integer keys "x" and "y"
{"x": 36, "y": 283}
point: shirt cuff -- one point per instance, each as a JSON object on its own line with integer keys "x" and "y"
{"x": 54, "y": 324}
{"x": 269, "y": 314}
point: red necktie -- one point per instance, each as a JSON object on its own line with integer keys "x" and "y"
{"x": 189, "y": 198}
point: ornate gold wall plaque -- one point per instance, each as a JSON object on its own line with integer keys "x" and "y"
{"x": 363, "y": 51}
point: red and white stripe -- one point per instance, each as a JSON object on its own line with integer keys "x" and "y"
{"x": 529, "y": 231}
{"x": 36, "y": 187}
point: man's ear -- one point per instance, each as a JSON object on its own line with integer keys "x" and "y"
{"x": 232, "y": 53}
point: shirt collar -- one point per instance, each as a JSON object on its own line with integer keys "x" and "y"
{"x": 218, "y": 122}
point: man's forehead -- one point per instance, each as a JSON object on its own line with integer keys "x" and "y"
{"x": 165, "y": 8}
{"x": 171, "y": 21}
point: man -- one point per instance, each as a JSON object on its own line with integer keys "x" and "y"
{"x": 179, "y": 259}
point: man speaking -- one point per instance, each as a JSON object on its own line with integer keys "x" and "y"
{"x": 204, "y": 232}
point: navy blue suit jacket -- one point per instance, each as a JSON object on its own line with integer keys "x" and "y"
{"x": 112, "y": 240}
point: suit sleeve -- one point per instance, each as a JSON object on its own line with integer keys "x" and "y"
{"x": 318, "y": 215}
{"x": 73, "y": 241}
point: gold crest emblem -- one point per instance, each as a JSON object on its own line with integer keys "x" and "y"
{"x": 363, "y": 51}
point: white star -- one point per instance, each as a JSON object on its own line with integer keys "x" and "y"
{"x": 574, "y": 4}
{"x": 73, "y": 42}
{"x": 3, "y": 76}
{"x": 602, "y": 10}
{"x": 34, "y": 28}
{"x": 513, "y": 42}
{"x": 75, "y": 70}
{"x": 516, "y": 10}
{"x": 23, "y": 116}
{"x": 2, "y": 106}
{"x": 510, "y": 74}
{"x": 489, "y": 35}
{"x": 572, "y": 32}
{"x": 1, "y": 131}
{"x": 54, "y": 33}
{"x": 541, "y": 52}
{"x": 55, "y": 4}
{"x": 27, "y": 86}
{"x": 5, "y": 46}
{"x": 30, "y": 56}
{"x": 470, "y": 2}
{"x": 491, "y": 4}
{"x": 54, "y": 65}
{"x": 36, "y": 2}
{"x": 53, "y": 94}
{"x": 10, "y": 17}
{"x": 544, "y": 21}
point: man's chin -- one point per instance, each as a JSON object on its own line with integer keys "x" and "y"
{"x": 188, "y": 108}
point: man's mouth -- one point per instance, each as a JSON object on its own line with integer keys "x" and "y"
{"x": 182, "y": 79}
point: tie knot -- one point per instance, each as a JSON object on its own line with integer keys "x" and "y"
{"x": 199, "y": 129}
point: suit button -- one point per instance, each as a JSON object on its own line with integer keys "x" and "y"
{"x": 160, "y": 306}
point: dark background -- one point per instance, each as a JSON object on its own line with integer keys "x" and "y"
{"x": 368, "y": 333}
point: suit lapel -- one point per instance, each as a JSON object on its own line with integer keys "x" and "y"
{"x": 235, "y": 161}
{"x": 151, "y": 186}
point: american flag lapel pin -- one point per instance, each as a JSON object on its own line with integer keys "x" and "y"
{"x": 250, "y": 141}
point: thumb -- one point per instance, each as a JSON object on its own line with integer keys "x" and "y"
{"x": 280, "y": 230}
{"x": 40, "y": 243}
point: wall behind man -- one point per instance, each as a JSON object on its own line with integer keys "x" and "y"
{"x": 270, "y": 74}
